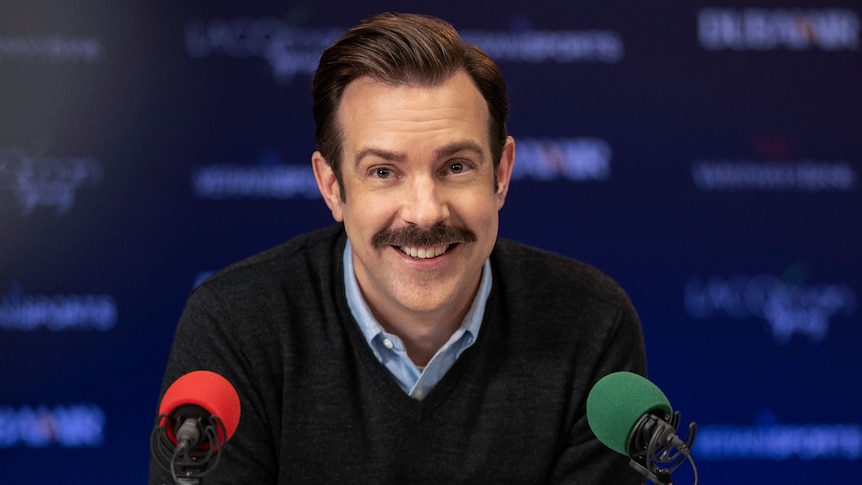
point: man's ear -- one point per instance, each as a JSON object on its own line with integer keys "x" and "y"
{"x": 504, "y": 171}
{"x": 328, "y": 185}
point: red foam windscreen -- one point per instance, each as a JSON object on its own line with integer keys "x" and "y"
{"x": 208, "y": 390}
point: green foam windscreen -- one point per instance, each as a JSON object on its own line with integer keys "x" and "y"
{"x": 617, "y": 402}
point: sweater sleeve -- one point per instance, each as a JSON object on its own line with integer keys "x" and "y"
{"x": 207, "y": 338}
{"x": 584, "y": 459}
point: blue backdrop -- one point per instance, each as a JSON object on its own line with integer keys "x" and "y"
{"x": 707, "y": 155}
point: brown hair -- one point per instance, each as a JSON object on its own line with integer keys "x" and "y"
{"x": 398, "y": 49}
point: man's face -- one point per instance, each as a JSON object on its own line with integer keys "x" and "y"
{"x": 421, "y": 207}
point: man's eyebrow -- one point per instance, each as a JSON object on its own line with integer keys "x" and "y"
{"x": 379, "y": 153}
{"x": 457, "y": 147}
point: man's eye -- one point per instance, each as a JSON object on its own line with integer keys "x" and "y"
{"x": 457, "y": 167}
{"x": 382, "y": 173}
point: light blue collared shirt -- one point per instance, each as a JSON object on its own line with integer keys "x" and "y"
{"x": 389, "y": 349}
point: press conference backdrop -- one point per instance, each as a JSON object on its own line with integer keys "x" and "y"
{"x": 706, "y": 154}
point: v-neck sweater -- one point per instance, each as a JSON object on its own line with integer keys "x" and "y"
{"x": 318, "y": 407}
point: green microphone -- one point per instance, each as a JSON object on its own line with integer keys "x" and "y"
{"x": 617, "y": 402}
{"x": 631, "y": 416}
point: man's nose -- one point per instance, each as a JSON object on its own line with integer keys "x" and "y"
{"x": 426, "y": 204}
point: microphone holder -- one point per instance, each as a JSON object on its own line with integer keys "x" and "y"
{"x": 187, "y": 464}
{"x": 664, "y": 452}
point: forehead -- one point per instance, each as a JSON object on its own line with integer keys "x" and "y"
{"x": 372, "y": 112}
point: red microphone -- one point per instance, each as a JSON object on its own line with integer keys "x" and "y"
{"x": 198, "y": 414}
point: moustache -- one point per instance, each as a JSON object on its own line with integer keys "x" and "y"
{"x": 415, "y": 236}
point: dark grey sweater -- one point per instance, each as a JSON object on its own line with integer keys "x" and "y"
{"x": 317, "y": 407}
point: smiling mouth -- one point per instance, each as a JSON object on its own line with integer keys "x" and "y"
{"x": 423, "y": 244}
{"x": 426, "y": 252}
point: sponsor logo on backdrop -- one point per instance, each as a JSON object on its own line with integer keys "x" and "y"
{"x": 23, "y": 312}
{"x": 292, "y": 50}
{"x": 770, "y": 440}
{"x": 574, "y": 159}
{"x": 39, "y": 426}
{"x": 760, "y": 29}
{"x": 773, "y": 176}
{"x": 271, "y": 178}
{"x": 539, "y": 46}
{"x": 788, "y": 307}
{"x": 51, "y": 182}
{"x": 50, "y": 48}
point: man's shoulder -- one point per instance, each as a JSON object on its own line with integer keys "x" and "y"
{"x": 531, "y": 274}
{"x": 530, "y": 262}
{"x": 311, "y": 252}
{"x": 557, "y": 302}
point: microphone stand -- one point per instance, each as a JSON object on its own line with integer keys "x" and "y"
{"x": 664, "y": 451}
{"x": 188, "y": 463}
{"x": 658, "y": 477}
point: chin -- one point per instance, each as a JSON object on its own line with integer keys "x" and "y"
{"x": 425, "y": 304}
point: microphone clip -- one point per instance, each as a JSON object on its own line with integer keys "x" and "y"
{"x": 196, "y": 452}
{"x": 664, "y": 451}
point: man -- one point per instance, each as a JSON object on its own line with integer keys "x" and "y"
{"x": 406, "y": 343}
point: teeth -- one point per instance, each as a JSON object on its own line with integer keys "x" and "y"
{"x": 424, "y": 252}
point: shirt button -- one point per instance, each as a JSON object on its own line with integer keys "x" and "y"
{"x": 388, "y": 343}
